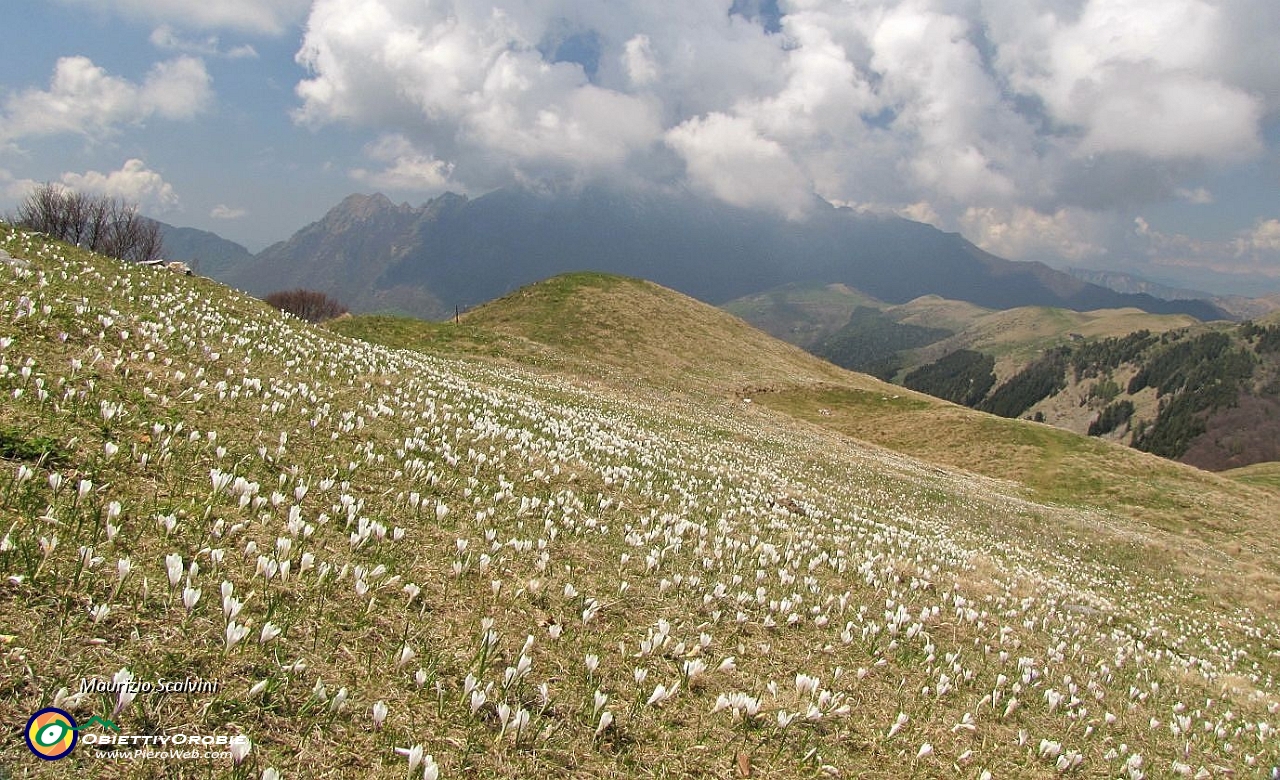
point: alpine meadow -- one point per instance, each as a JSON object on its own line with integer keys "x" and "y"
{"x": 595, "y": 528}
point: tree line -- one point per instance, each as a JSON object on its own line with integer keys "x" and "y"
{"x": 108, "y": 226}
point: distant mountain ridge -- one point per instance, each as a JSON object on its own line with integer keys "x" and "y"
{"x": 1129, "y": 283}
{"x": 458, "y": 251}
{"x": 208, "y": 253}
{"x": 1238, "y": 306}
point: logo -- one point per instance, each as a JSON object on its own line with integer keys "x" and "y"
{"x": 52, "y": 733}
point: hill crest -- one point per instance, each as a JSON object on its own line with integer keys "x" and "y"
{"x": 588, "y": 323}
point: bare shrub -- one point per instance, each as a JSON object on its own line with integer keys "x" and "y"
{"x": 310, "y": 305}
{"x": 108, "y": 226}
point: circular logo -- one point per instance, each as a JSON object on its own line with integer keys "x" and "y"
{"x": 51, "y": 733}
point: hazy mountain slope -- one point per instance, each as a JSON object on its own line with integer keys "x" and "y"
{"x": 462, "y": 252}
{"x": 1128, "y": 283}
{"x": 1015, "y": 337}
{"x": 933, "y": 311}
{"x": 1239, "y": 307}
{"x": 383, "y": 555}
{"x": 207, "y": 253}
{"x": 1043, "y": 363}
{"x": 343, "y": 254}
{"x": 801, "y": 315}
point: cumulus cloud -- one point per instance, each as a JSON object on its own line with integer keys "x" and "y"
{"x": 1251, "y": 252}
{"x": 13, "y": 189}
{"x": 1027, "y": 233}
{"x": 1264, "y": 237}
{"x": 255, "y": 16}
{"x": 468, "y": 84}
{"x": 637, "y": 59}
{"x": 1197, "y": 195}
{"x": 83, "y": 98}
{"x": 223, "y": 211}
{"x": 134, "y": 182}
{"x": 1144, "y": 76}
{"x": 727, "y": 157}
{"x": 407, "y": 169}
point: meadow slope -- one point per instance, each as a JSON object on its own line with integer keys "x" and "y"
{"x": 415, "y": 562}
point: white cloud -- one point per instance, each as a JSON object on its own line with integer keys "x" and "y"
{"x": 637, "y": 59}
{"x": 13, "y": 189}
{"x": 83, "y": 98}
{"x": 254, "y": 16}
{"x": 407, "y": 169}
{"x": 223, "y": 211}
{"x": 468, "y": 84}
{"x": 1151, "y": 77}
{"x": 920, "y": 211}
{"x": 1264, "y": 237}
{"x": 133, "y": 183}
{"x": 1251, "y": 252}
{"x": 1170, "y": 117}
{"x": 1023, "y": 233}
{"x": 727, "y": 157}
{"x": 166, "y": 38}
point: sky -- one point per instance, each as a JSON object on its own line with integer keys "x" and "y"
{"x": 1134, "y": 135}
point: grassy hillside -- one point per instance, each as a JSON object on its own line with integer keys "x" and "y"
{"x": 1016, "y": 336}
{"x": 802, "y": 315}
{"x": 809, "y": 317}
{"x": 1265, "y": 475}
{"x": 1043, "y": 363}
{"x": 632, "y": 329}
{"x": 456, "y": 557}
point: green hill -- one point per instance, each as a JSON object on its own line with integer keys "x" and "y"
{"x": 601, "y": 327}
{"x": 472, "y": 548}
{"x": 802, "y": 315}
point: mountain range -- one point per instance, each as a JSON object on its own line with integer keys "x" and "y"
{"x": 455, "y": 252}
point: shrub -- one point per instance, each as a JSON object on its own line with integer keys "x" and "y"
{"x": 310, "y": 305}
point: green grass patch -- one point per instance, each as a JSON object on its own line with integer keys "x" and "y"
{"x": 16, "y": 444}
{"x": 401, "y": 332}
{"x": 1264, "y": 475}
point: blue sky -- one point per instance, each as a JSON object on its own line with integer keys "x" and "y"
{"x": 1138, "y": 135}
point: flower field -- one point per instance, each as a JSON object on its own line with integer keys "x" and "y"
{"x": 396, "y": 564}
